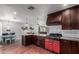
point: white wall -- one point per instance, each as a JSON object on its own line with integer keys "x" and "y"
{"x": 40, "y": 19}
{"x": 15, "y": 27}
{"x": 0, "y": 28}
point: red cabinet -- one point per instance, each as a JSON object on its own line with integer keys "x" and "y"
{"x": 49, "y": 44}
{"x": 56, "y": 46}
{"x": 52, "y": 45}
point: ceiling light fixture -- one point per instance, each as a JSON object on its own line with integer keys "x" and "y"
{"x": 65, "y": 4}
{"x": 14, "y": 13}
{"x": 31, "y": 7}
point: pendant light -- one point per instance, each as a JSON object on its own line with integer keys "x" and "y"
{"x": 8, "y": 27}
{"x": 25, "y": 26}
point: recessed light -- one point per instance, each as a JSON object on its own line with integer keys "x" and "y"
{"x": 31, "y": 7}
{"x": 14, "y": 13}
{"x": 65, "y": 4}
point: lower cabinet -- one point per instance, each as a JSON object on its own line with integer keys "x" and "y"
{"x": 49, "y": 44}
{"x": 33, "y": 39}
{"x": 56, "y": 46}
{"x": 78, "y": 47}
{"x": 69, "y": 47}
{"x": 26, "y": 40}
{"x": 40, "y": 41}
{"x": 62, "y": 46}
{"x": 65, "y": 47}
{"x": 52, "y": 45}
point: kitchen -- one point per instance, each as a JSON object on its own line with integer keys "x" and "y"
{"x": 53, "y": 28}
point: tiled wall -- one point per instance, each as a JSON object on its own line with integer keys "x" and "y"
{"x": 67, "y": 33}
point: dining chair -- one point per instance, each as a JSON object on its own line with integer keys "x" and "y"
{"x": 13, "y": 37}
{"x": 7, "y": 39}
{"x": 1, "y": 40}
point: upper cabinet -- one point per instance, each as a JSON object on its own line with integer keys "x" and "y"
{"x": 54, "y": 19}
{"x": 66, "y": 19}
{"x": 70, "y": 18}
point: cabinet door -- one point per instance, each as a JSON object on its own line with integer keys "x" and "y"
{"x": 52, "y": 45}
{"x": 23, "y": 40}
{"x": 66, "y": 19}
{"x": 49, "y": 44}
{"x": 54, "y": 19}
{"x": 56, "y": 46}
{"x": 70, "y": 18}
{"x": 27, "y": 40}
{"x": 78, "y": 17}
{"x": 74, "y": 47}
{"x": 42, "y": 43}
{"x": 34, "y": 39}
{"x": 78, "y": 47}
{"x": 65, "y": 47}
{"x": 74, "y": 19}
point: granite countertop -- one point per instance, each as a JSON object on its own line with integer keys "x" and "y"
{"x": 61, "y": 38}
{"x": 37, "y": 34}
{"x": 64, "y": 38}
{"x": 52, "y": 37}
{"x": 70, "y": 38}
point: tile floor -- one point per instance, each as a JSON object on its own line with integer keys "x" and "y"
{"x": 19, "y": 49}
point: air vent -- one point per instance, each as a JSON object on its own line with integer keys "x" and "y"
{"x": 31, "y": 8}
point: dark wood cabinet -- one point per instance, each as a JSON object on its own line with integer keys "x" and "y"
{"x": 62, "y": 46}
{"x": 33, "y": 39}
{"x": 54, "y": 19}
{"x": 69, "y": 47}
{"x": 65, "y": 46}
{"x": 66, "y": 19}
{"x": 70, "y": 19}
{"x": 29, "y": 39}
{"x": 77, "y": 47}
{"x": 26, "y": 40}
{"x": 49, "y": 44}
{"x": 41, "y": 41}
{"x": 73, "y": 17}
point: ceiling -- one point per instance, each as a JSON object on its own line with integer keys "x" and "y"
{"x": 22, "y": 11}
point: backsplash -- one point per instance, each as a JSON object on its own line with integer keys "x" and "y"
{"x": 67, "y": 33}
{"x": 71, "y": 33}
{"x": 54, "y": 29}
